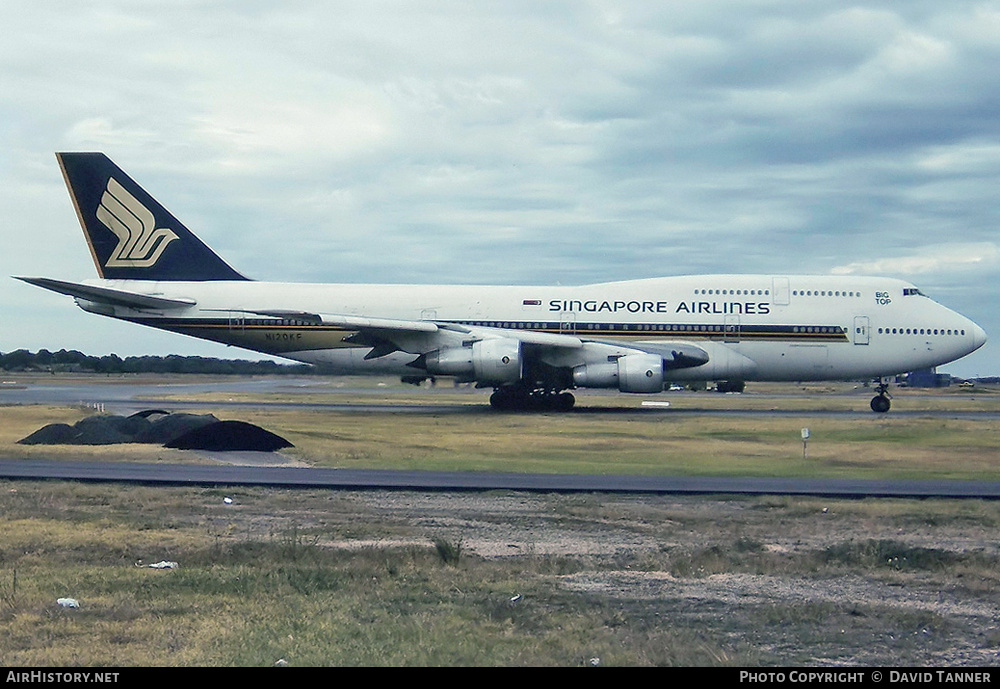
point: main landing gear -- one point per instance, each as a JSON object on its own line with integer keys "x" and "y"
{"x": 515, "y": 398}
{"x": 880, "y": 402}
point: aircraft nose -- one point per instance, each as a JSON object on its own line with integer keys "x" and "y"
{"x": 978, "y": 337}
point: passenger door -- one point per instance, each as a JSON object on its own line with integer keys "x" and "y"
{"x": 862, "y": 326}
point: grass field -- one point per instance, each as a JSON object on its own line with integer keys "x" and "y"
{"x": 608, "y": 434}
{"x": 380, "y": 578}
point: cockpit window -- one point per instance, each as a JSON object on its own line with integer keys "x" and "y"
{"x": 907, "y": 291}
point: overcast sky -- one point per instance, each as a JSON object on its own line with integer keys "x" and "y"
{"x": 509, "y": 143}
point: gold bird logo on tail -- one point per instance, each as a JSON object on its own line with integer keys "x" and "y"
{"x": 140, "y": 244}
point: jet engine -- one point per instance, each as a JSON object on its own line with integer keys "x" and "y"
{"x": 494, "y": 362}
{"x": 630, "y": 373}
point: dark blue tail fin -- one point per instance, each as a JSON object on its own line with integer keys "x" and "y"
{"x": 131, "y": 236}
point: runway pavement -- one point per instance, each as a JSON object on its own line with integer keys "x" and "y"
{"x": 128, "y": 397}
{"x": 357, "y": 479}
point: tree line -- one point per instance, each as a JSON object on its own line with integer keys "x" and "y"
{"x": 74, "y": 361}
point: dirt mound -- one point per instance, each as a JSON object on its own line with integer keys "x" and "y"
{"x": 108, "y": 430}
{"x": 229, "y": 435}
{"x": 53, "y": 434}
{"x": 181, "y": 431}
{"x": 164, "y": 429}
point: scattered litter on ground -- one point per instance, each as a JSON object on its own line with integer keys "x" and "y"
{"x": 163, "y": 564}
{"x": 68, "y": 602}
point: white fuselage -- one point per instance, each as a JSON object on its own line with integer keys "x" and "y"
{"x": 753, "y": 327}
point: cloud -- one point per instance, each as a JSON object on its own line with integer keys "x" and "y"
{"x": 938, "y": 258}
{"x": 515, "y": 142}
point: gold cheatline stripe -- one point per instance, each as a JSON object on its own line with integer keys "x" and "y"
{"x": 838, "y": 335}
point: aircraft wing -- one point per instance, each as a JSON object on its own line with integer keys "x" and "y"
{"x": 389, "y": 325}
{"x": 387, "y": 335}
{"x": 109, "y": 295}
{"x": 532, "y": 337}
{"x": 354, "y": 322}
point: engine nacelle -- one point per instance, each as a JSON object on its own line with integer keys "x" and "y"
{"x": 640, "y": 373}
{"x": 494, "y": 362}
{"x": 631, "y": 373}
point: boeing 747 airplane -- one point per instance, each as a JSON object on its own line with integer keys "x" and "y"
{"x": 530, "y": 344}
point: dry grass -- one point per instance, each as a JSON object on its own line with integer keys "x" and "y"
{"x": 676, "y": 581}
{"x": 249, "y": 595}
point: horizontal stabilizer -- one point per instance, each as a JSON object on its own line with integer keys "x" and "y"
{"x": 108, "y": 295}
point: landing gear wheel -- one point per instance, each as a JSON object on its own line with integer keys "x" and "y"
{"x": 565, "y": 401}
{"x": 518, "y": 399}
{"x": 880, "y": 404}
{"x": 504, "y": 400}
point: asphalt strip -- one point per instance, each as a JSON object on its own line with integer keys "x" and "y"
{"x": 362, "y": 479}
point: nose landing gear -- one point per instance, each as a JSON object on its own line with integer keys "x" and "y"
{"x": 880, "y": 402}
